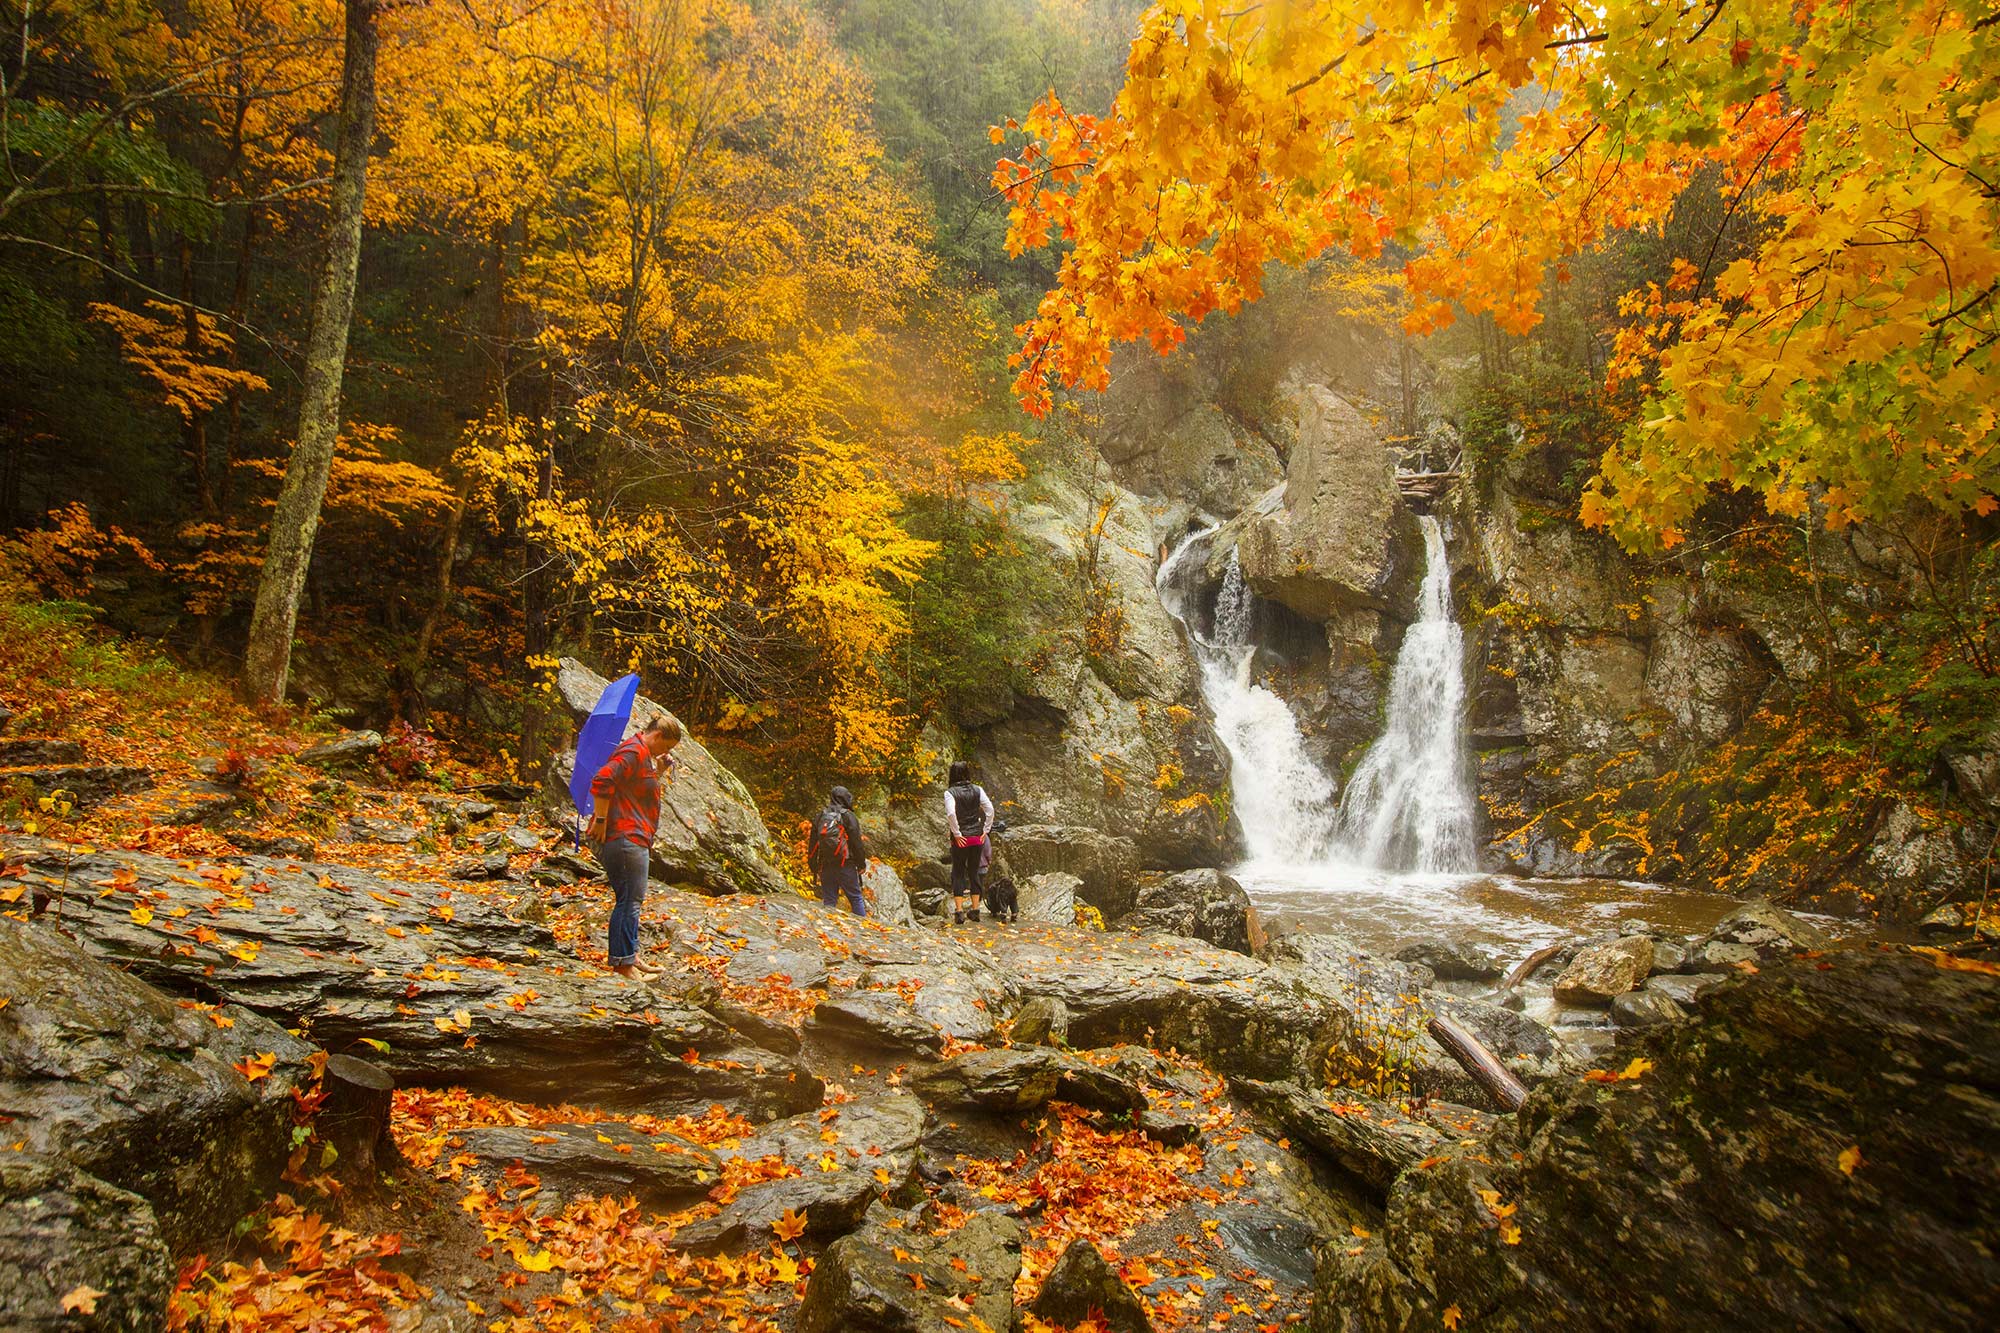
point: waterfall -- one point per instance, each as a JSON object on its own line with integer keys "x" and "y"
{"x": 1283, "y": 799}
{"x": 1409, "y": 804}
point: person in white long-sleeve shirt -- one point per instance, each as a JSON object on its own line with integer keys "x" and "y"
{"x": 968, "y": 817}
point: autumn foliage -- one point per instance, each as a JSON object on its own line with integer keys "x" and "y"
{"x": 1848, "y": 353}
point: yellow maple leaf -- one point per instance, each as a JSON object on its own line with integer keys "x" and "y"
{"x": 1451, "y": 1316}
{"x": 1850, "y": 1158}
{"x": 81, "y": 1299}
{"x": 142, "y": 914}
{"x": 541, "y": 1261}
{"x": 790, "y": 1226}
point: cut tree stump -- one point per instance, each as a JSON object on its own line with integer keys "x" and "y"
{"x": 354, "y": 1118}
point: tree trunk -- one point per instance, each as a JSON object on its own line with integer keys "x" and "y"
{"x": 268, "y": 662}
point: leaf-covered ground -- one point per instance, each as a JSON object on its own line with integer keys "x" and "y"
{"x": 442, "y": 1242}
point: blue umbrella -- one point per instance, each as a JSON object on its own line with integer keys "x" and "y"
{"x": 602, "y": 731}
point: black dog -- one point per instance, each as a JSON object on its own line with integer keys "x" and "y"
{"x": 1002, "y": 902}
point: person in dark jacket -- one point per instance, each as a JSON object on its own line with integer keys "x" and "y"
{"x": 837, "y": 852}
{"x": 968, "y": 817}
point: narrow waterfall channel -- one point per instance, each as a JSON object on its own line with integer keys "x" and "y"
{"x": 1284, "y": 800}
{"x": 1409, "y": 804}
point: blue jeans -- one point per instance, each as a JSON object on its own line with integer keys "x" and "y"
{"x": 625, "y": 864}
{"x": 832, "y": 886}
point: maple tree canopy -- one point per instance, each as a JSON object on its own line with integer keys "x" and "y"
{"x": 1849, "y": 354}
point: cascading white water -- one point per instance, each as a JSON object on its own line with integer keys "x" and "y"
{"x": 1409, "y": 804}
{"x": 1283, "y": 799}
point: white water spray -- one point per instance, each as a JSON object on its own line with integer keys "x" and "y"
{"x": 1409, "y": 804}
{"x": 1284, "y": 800}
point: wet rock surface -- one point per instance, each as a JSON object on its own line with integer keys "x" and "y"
{"x": 350, "y": 956}
{"x": 841, "y": 1160}
{"x": 1083, "y": 1287}
{"x": 103, "y": 1071}
{"x": 936, "y": 1284}
{"x": 61, "y": 1229}
{"x": 1864, "y": 1200}
{"x": 608, "y": 1158}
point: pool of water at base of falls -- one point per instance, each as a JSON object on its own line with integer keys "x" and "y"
{"x": 1380, "y": 911}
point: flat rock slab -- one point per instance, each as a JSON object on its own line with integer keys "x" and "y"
{"x": 842, "y": 1158}
{"x": 32, "y": 752}
{"x": 609, "y": 1158}
{"x": 84, "y": 784}
{"x": 351, "y": 750}
{"x": 879, "y": 1019}
{"x": 102, "y": 1070}
{"x": 1370, "y": 1141}
{"x": 1016, "y": 1079}
{"x": 462, "y": 994}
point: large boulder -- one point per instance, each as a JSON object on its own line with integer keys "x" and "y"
{"x": 893, "y": 1276}
{"x": 1016, "y": 1079}
{"x": 889, "y": 901}
{"x": 1601, "y": 973}
{"x": 463, "y": 994}
{"x": 63, "y": 1230}
{"x": 1336, "y": 535}
{"x": 876, "y": 1018}
{"x": 1103, "y": 865}
{"x": 1815, "y": 1144}
{"x": 1082, "y": 1286}
{"x": 188, "y": 1107}
{"x": 1200, "y": 904}
{"x": 711, "y": 837}
{"x": 1048, "y": 900}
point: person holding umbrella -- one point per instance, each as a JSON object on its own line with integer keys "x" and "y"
{"x": 625, "y": 814}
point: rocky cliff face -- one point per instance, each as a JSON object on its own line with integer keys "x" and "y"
{"x": 1630, "y": 718}
{"x": 1102, "y": 735}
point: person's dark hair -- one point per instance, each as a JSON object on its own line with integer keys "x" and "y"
{"x": 961, "y": 772}
{"x": 666, "y": 725}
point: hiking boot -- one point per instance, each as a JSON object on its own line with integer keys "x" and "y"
{"x": 974, "y": 916}
{"x": 957, "y": 917}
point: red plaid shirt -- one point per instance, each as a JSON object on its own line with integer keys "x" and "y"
{"x": 627, "y": 792}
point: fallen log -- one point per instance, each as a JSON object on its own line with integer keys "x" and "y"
{"x": 1484, "y": 1066}
{"x": 1528, "y": 965}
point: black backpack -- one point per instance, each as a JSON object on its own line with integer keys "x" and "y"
{"x": 965, "y": 804}
{"x": 830, "y": 849}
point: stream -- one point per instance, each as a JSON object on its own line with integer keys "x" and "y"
{"x": 1395, "y": 857}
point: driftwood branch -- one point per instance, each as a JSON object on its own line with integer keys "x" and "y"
{"x": 1482, "y": 1064}
{"x": 1528, "y": 965}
